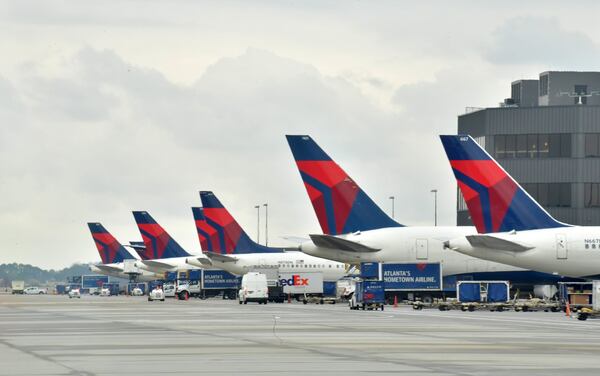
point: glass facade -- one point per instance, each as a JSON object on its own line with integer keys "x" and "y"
{"x": 556, "y": 145}
{"x": 550, "y": 194}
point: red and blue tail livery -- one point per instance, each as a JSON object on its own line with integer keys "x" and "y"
{"x": 495, "y": 200}
{"x": 111, "y": 251}
{"x": 226, "y": 236}
{"x": 206, "y": 234}
{"x": 341, "y": 206}
{"x": 159, "y": 244}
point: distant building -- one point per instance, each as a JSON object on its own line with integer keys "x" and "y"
{"x": 547, "y": 136}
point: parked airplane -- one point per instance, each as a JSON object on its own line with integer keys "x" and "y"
{"x": 513, "y": 228}
{"x": 231, "y": 249}
{"x": 356, "y": 230}
{"x": 161, "y": 252}
{"x": 114, "y": 256}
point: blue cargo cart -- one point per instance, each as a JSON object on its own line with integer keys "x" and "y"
{"x": 491, "y": 295}
{"x": 368, "y": 295}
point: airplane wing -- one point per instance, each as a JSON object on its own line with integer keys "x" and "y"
{"x": 157, "y": 264}
{"x": 203, "y": 260}
{"x": 333, "y": 242}
{"x": 109, "y": 268}
{"x": 219, "y": 257}
{"x": 488, "y": 241}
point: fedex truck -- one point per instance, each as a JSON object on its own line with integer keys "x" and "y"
{"x": 302, "y": 284}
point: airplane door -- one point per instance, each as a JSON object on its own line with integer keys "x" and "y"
{"x": 561, "y": 247}
{"x": 422, "y": 249}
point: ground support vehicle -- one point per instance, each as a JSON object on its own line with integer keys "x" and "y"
{"x": 33, "y": 290}
{"x": 276, "y": 294}
{"x": 254, "y": 288}
{"x": 368, "y": 295}
{"x": 577, "y": 294}
{"x": 74, "y": 293}
{"x": 156, "y": 294}
{"x": 536, "y": 304}
{"x": 18, "y": 287}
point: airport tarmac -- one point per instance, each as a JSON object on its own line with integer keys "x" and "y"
{"x": 53, "y": 335}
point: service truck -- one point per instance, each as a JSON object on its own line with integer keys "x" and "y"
{"x": 18, "y": 287}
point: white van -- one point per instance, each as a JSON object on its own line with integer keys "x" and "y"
{"x": 254, "y": 288}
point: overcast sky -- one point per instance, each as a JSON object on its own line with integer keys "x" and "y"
{"x": 113, "y": 106}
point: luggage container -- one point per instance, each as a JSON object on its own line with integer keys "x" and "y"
{"x": 492, "y": 295}
{"x": 368, "y": 295}
{"x": 113, "y": 288}
{"x": 140, "y": 285}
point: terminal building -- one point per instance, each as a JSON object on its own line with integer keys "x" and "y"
{"x": 547, "y": 136}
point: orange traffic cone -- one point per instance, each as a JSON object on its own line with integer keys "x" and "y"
{"x": 568, "y": 309}
{"x": 395, "y": 301}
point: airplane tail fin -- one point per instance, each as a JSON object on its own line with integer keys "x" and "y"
{"x": 496, "y": 202}
{"x": 206, "y": 233}
{"x": 340, "y": 204}
{"x": 227, "y": 236}
{"x": 110, "y": 250}
{"x": 159, "y": 244}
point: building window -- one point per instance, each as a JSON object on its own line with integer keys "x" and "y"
{"x": 543, "y": 85}
{"x": 592, "y": 195}
{"x": 592, "y": 145}
{"x": 533, "y": 146}
{"x": 580, "y": 91}
{"x": 550, "y": 194}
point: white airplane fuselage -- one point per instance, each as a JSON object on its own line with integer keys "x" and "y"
{"x": 286, "y": 262}
{"x": 411, "y": 245}
{"x": 570, "y": 251}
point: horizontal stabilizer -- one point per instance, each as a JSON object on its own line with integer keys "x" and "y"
{"x": 202, "y": 260}
{"x": 296, "y": 239}
{"x": 157, "y": 264}
{"x": 333, "y": 242}
{"x": 109, "y": 268}
{"x": 219, "y": 257}
{"x": 487, "y": 241}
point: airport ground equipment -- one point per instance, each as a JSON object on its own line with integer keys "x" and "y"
{"x": 578, "y": 294}
{"x": 536, "y": 304}
{"x": 113, "y": 288}
{"x": 254, "y": 288}
{"x": 156, "y": 293}
{"x": 74, "y": 293}
{"x": 489, "y": 295}
{"x": 93, "y": 282}
{"x": 136, "y": 289}
{"x": 368, "y": 295}
{"x": 593, "y": 311}
{"x": 276, "y": 294}
{"x": 18, "y": 287}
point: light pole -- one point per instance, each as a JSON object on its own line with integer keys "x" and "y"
{"x": 266, "y": 205}
{"x": 392, "y": 198}
{"x": 434, "y": 191}
{"x": 257, "y": 207}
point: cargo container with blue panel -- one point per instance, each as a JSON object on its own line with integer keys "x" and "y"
{"x": 369, "y": 294}
{"x": 171, "y": 276}
{"x": 329, "y": 289}
{"x": 140, "y": 285}
{"x": 370, "y": 270}
{"x": 195, "y": 275}
{"x": 93, "y": 281}
{"x": 113, "y": 287}
{"x": 61, "y": 289}
{"x": 152, "y": 285}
